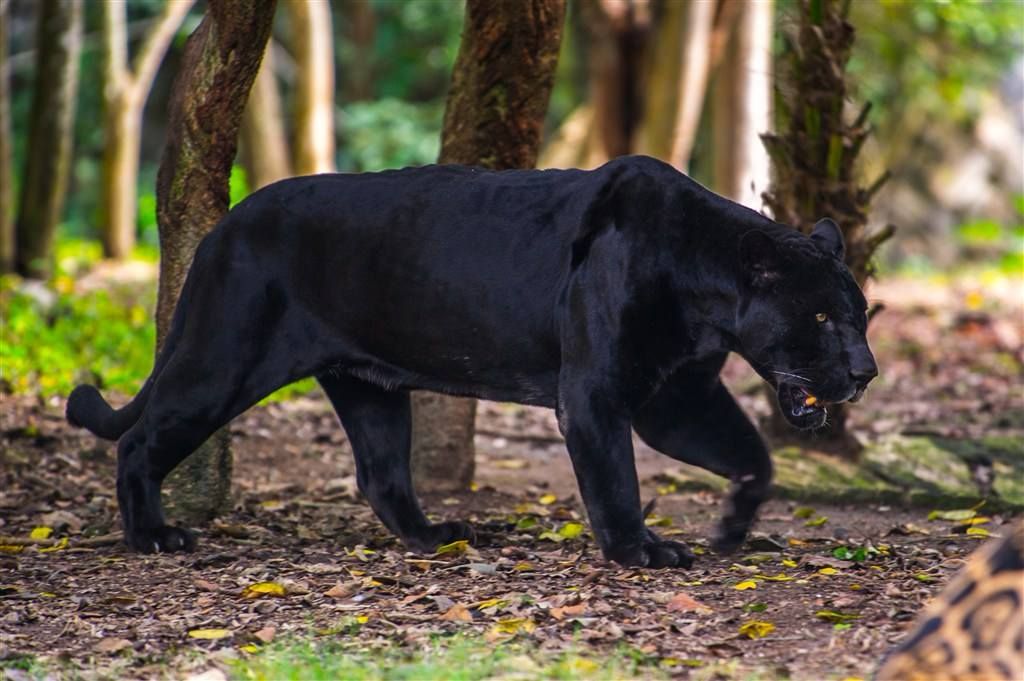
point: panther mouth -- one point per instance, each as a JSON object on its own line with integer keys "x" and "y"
{"x": 802, "y": 408}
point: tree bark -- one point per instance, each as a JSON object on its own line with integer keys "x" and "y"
{"x": 313, "y": 47}
{"x": 361, "y": 25}
{"x": 741, "y": 107}
{"x": 58, "y": 45}
{"x": 7, "y": 242}
{"x": 218, "y": 67}
{"x": 814, "y": 160}
{"x": 494, "y": 117}
{"x": 264, "y": 141}
{"x": 124, "y": 97}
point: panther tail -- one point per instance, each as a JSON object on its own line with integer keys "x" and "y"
{"x": 87, "y": 409}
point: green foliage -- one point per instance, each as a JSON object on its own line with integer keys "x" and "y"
{"x": 455, "y": 659}
{"x": 104, "y": 336}
{"x": 390, "y": 133}
{"x": 937, "y": 58}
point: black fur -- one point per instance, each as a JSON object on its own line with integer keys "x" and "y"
{"x": 612, "y": 296}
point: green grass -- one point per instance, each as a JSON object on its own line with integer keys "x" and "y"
{"x": 443, "y": 659}
{"x": 104, "y": 337}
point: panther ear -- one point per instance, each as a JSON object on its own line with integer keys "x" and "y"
{"x": 760, "y": 258}
{"x": 829, "y": 238}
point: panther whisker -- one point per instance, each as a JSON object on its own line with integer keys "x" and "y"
{"x": 785, "y": 373}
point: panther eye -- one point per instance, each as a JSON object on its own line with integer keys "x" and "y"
{"x": 821, "y": 317}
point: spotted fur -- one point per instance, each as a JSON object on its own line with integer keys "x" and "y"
{"x": 974, "y": 630}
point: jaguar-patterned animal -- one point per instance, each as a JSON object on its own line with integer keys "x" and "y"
{"x": 974, "y": 630}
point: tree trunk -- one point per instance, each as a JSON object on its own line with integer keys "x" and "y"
{"x": 814, "y": 158}
{"x": 741, "y": 107}
{"x": 218, "y": 67}
{"x": 361, "y": 30}
{"x": 617, "y": 32}
{"x": 264, "y": 141}
{"x": 494, "y": 117}
{"x": 6, "y": 153}
{"x": 124, "y": 97}
{"x": 313, "y": 47}
{"x": 58, "y": 45}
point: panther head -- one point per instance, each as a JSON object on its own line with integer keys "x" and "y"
{"x": 801, "y": 320}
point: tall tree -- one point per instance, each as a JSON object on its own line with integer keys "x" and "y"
{"x": 814, "y": 157}
{"x": 6, "y": 153}
{"x": 313, "y": 48}
{"x": 218, "y": 67}
{"x": 741, "y": 105}
{"x": 125, "y": 89}
{"x": 58, "y": 45}
{"x": 494, "y": 117}
{"x": 264, "y": 141}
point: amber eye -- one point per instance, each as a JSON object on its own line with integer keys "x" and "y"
{"x": 821, "y": 317}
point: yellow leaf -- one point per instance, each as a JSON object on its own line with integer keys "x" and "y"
{"x": 789, "y": 563}
{"x": 260, "y": 589}
{"x": 658, "y": 521}
{"x": 474, "y": 487}
{"x": 11, "y": 548}
{"x": 59, "y": 546}
{"x": 796, "y": 542}
{"x": 977, "y": 531}
{"x": 249, "y": 648}
{"x": 817, "y": 522}
{"x": 41, "y": 532}
{"x": 836, "y": 616}
{"x": 548, "y": 499}
{"x": 455, "y": 548}
{"x": 523, "y": 566}
{"x": 571, "y": 530}
{"x": 746, "y": 584}
{"x": 828, "y": 571}
{"x": 362, "y": 619}
{"x": 513, "y": 625}
{"x": 490, "y": 603}
{"x": 782, "y": 577}
{"x": 756, "y": 628}
{"x": 803, "y": 512}
{"x": 581, "y": 665}
{"x": 210, "y": 634}
{"x": 978, "y": 520}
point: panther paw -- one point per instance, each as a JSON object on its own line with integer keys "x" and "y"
{"x": 728, "y": 539}
{"x": 655, "y": 552}
{"x": 434, "y": 536}
{"x": 164, "y": 539}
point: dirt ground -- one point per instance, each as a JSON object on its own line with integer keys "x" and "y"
{"x": 818, "y": 593}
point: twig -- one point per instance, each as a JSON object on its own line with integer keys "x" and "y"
{"x": 87, "y": 542}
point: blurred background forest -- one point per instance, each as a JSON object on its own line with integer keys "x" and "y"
{"x": 944, "y": 80}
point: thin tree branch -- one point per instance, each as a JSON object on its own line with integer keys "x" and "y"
{"x": 154, "y": 46}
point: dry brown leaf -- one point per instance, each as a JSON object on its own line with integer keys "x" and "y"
{"x": 683, "y": 602}
{"x": 206, "y": 585}
{"x": 112, "y": 645}
{"x": 457, "y": 613}
{"x": 340, "y": 590}
{"x": 568, "y": 611}
{"x": 266, "y": 634}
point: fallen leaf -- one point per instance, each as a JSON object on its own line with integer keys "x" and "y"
{"x": 803, "y": 512}
{"x": 340, "y": 590}
{"x": 817, "y": 522}
{"x": 836, "y": 616}
{"x": 957, "y": 514}
{"x": 789, "y": 563}
{"x": 571, "y": 530}
{"x": 828, "y": 571}
{"x": 756, "y": 629}
{"x": 548, "y": 499}
{"x": 455, "y": 548}
{"x": 513, "y": 625}
{"x": 457, "y": 613}
{"x": 683, "y": 602}
{"x": 110, "y": 644}
{"x": 266, "y": 634}
{"x": 490, "y": 603}
{"x": 746, "y": 584}
{"x": 210, "y": 634}
{"x": 260, "y": 589}
{"x": 568, "y": 611}
{"x": 59, "y": 546}
{"x": 41, "y": 532}
{"x": 977, "y": 532}
{"x": 781, "y": 577}
{"x": 206, "y": 585}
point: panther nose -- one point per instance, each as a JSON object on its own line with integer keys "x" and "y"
{"x": 863, "y": 373}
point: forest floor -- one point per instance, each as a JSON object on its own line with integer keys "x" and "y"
{"x": 300, "y": 572}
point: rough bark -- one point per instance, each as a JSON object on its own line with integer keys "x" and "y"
{"x": 814, "y": 157}
{"x": 313, "y": 49}
{"x": 58, "y": 45}
{"x": 264, "y": 140}
{"x": 494, "y": 117}
{"x": 6, "y": 154}
{"x": 124, "y": 96}
{"x": 741, "y": 106}
{"x": 218, "y": 67}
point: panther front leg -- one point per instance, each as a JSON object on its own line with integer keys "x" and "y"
{"x": 693, "y": 418}
{"x": 601, "y": 450}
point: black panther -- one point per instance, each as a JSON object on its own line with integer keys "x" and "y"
{"x": 612, "y": 296}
